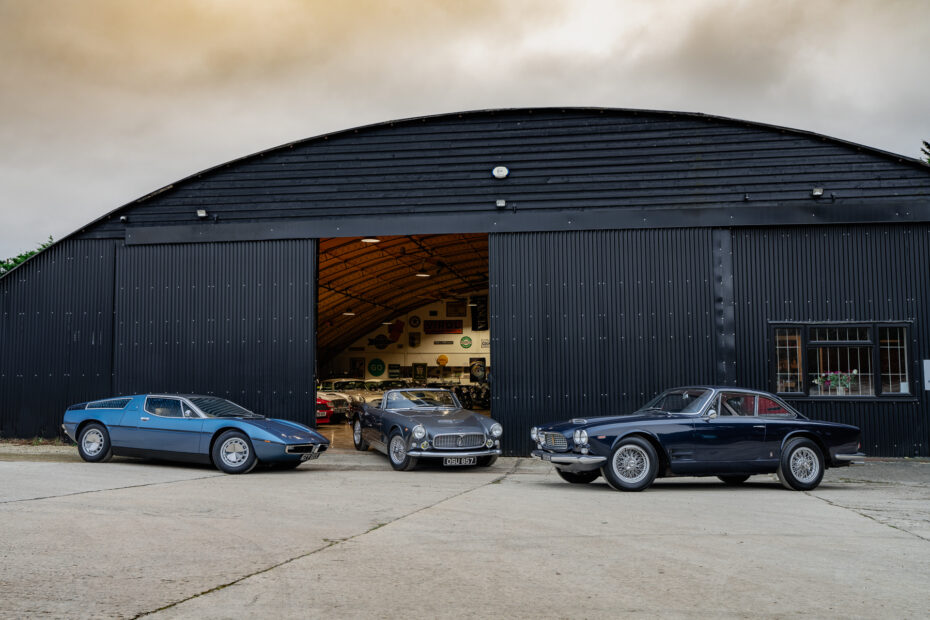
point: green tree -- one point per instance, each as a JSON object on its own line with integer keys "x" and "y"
{"x": 926, "y": 150}
{"x": 9, "y": 263}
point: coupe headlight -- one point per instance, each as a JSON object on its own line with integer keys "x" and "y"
{"x": 580, "y": 437}
{"x": 534, "y": 433}
{"x": 419, "y": 432}
{"x": 496, "y": 430}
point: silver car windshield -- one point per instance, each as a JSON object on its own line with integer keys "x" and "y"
{"x": 682, "y": 400}
{"x": 221, "y": 408}
{"x": 350, "y": 385}
{"x": 421, "y": 399}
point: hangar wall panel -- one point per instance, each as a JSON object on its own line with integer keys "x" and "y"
{"x": 55, "y": 335}
{"x": 830, "y": 274}
{"x": 591, "y": 323}
{"x": 232, "y": 319}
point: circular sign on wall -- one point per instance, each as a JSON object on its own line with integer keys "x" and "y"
{"x": 414, "y": 321}
{"x": 465, "y": 342}
{"x": 442, "y": 360}
{"x": 376, "y": 367}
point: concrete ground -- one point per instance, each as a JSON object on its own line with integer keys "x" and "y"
{"x": 346, "y": 536}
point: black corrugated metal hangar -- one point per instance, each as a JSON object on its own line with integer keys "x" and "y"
{"x": 622, "y": 252}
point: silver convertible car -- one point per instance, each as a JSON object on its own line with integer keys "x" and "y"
{"x": 416, "y": 423}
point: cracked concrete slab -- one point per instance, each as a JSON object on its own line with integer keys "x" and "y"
{"x": 350, "y": 537}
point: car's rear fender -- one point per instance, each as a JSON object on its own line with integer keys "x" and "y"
{"x": 664, "y": 462}
{"x": 807, "y": 435}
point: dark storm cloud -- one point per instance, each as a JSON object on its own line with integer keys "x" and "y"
{"x": 103, "y": 101}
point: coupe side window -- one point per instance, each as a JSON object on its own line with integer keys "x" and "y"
{"x": 737, "y": 404}
{"x": 164, "y": 407}
{"x": 768, "y": 407}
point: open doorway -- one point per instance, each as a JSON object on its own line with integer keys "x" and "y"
{"x": 398, "y": 311}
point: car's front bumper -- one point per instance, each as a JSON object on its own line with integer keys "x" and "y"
{"x": 569, "y": 461}
{"x": 437, "y": 454}
{"x": 271, "y": 452}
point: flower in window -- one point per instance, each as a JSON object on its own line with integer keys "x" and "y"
{"x": 836, "y": 379}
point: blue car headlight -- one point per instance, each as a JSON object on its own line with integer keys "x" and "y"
{"x": 419, "y": 432}
{"x": 496, "y": 430}
{"x": 580, "y": 437}
{"x": 534, "y": 433}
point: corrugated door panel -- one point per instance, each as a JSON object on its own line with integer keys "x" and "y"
{"x": 838, "y": 273}
{"x": 232, "y": 319}
{"x": 56, "y": 315}
{"x": 594, "y": 323}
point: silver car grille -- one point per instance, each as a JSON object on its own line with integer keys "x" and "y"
{"x": 464, "y": 440}
{"x": 555, "y": 441}
{"x": 339, "y": 404}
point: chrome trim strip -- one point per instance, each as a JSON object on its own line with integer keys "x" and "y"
{"x": 856, "y": 459}
{"x": 453, "y": 453}
{"x": 570, "y": 459}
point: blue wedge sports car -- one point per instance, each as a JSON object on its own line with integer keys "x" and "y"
{"x": 728, "y": 432}
{"x": 203, "y": 429}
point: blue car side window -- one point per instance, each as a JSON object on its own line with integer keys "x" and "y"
{"x": 164, "y": 407}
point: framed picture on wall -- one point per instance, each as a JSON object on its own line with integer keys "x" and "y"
{"x": 457, "y": 308}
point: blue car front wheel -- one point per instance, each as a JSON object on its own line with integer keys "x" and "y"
{"x": 233, "y": 453}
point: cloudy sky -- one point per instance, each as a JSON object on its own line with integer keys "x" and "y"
{"x": 103, "y": 101}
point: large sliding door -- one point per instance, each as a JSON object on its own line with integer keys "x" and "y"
{"x": 594, "y": 323}
{"x": 236, "y": 320}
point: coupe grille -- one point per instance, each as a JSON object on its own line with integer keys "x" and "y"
{"x": 555, "y": 441}
{"x": 339, "y": 403}
{"x": 465, "y": 440}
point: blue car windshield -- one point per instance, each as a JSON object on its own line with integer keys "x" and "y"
{"x": 682, "y": 400}
{"x": 221, "y": 408}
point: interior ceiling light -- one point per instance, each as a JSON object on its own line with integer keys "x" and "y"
{"x": 371, "y": 240}
{"x": 422, "y": 272}
{"x": 348, "y": 312}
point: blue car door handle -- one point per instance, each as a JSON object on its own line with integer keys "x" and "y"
{"x": 754, "y": 425}
{"x": 144, "y": 419}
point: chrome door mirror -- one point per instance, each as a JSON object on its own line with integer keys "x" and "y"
{"x": 188, "y": 413}
{"x": 711, "y": 414}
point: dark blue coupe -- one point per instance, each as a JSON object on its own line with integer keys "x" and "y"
{"x": 731, "y": 433}
{"x": 194, "y": 428}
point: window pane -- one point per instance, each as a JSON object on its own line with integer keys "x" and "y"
{"x": 768, "y": 407}
{"x": 893, "y": 359}
{"x": 788, "y": 360}
{"x": 840, "y": 371}
{"x": 737, "y": 404}
{"x": 164, "y": 407}
{"x": 841, "y": 334}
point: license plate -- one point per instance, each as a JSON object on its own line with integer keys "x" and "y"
{"x": 309, "y": 456}
{"x": 460, "y": 460}
{"x": 546, "y": 456}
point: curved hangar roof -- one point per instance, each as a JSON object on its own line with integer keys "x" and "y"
{"x": 568, "y": 169}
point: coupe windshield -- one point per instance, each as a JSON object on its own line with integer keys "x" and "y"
{"x": 421, "y": 399}
{"x": 350, "y": 385}
{"x": 393, "y": 385}
{"x": 221, "y": 408}
{"x": 679, "y": 401}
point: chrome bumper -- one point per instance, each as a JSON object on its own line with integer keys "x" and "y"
{"x": 570, "y": 461}
{"x": 453, "y": 453}
{"x": 852, "y": 459}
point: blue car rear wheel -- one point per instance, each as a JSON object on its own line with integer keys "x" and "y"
{"x": 94, "y": 444}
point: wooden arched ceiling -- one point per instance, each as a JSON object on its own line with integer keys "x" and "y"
{"x": 378, "y": 281}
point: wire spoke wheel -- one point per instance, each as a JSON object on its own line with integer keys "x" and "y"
{"x": 804, "y": 465}
{"x": 631, "y": 464}
{"x": 92, "y": 442}
{"x": 234, "y": 452}
{"x": 398, "y": 449}
{"x": 357, "y": 433}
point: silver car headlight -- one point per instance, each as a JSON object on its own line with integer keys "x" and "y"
{"x": 496, "y": 430}
{"x": 580, "y": 437}
{"x": 419, "y": 432}
{"x": 534, "y": 433}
